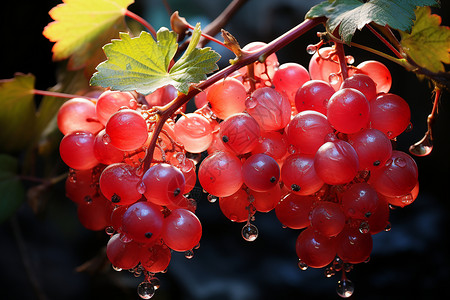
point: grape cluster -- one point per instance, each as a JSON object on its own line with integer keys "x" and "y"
{"x": 146, "y": 212}
{"x": 308, "y": 144}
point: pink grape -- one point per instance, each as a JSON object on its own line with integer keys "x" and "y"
{"x": 119, "y": 183}
{"x": 220, "y": 174}
{"x": 227, "y": 97}
{"x": 161, "y": 96}
{"x": 322, "y": 69}
{"x": 105, "y": 152}
{"x": 362, "y": 83}
{"x": 181, "y": 230}
{"x": 236, "y": 207}
{"x": 348, "y": 110}
{"x": 336, "y": 162}
{"x": 288, "y": 78}
{"x": 373, "y": 148}
{"x": 263, "y": 71}
{"x": 260, "y": 172}
{"x": 379, "y": 219}
{"x": 109, "y": 102}
{"x": 293, "y": 210}
{"x": 240, "y": 133}
{"x": 327, "y": 218}
{"x": 378, "y": 72}
{"x": 359, "y": 201}
{"x": 315, "y": 250}
{"x": 299, "y": 174}
{"x": 390, "y": 114}
{"x": 143, "y": 222}
{"x": 78, "y": 114}
{"x": 80, "y": 185}
{"x": 121, "y": 254}
{"x": 353, "y": 246}
{"x": 269, "y": 108}
{"x": 398, "y": 176}
{"x": 194, "y": 131}
{"x": 77, "y": 150}
{"x": 94, "y": 214}
{"x": 314, "y": 95}
{"x": 155, "y": 258}
{"x": 127, "y": 130}
{"x": 268, "y": 200}
{"x": 404, "y": 200}
{"x": 164, "y": 184}
{"x": 307, "y": 131}
{"x": 273, "y": 144}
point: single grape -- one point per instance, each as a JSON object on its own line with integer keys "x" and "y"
{"x": 119, "y": 183}
{"x": 299, "y": 174}
{"x": 110, "y": 102}
{"x": 240, "y": 133}
{"x": 353, "y": 246}
{"x": 324, "y": 64}
{"x": 293, "y": 210}
{"x": 268, "y": 200}
{"x": 127, "y": 130}
{"x": 378, "y": 72}
{"x": 161, "y": 96}
{"x": 314, "y": 95}
{"x": 105, "y": 152}
{"x": 379, "y": 219}
{"x": 236, "y": 207}
{"x": 77, "y": 150}
{"x": 181, "y": 230}
{"x": 273, "y": 144}
{"x": 94, "y": 213}
{"x": 260, "y": 172}
{"x": 315, "y": 250}
{"x": 123, "y": 255}
{"x": 220, "y": 174}
{"x": 288, "y": 78}
{"x": 194, "y": 131}
{"x": 348, "y": 110}
{"x": 226, "y": 97}
{"x": 143, "y": 222}
{"x": 362, "y": 83}
{"x": 155, "y": 258}
{"x": 78, "y": 114}
{"x": 327, "y": 218}
{"x": 80, "y": 185}
{"x": 359, "y": 201}
{"x": 263, "y": 71}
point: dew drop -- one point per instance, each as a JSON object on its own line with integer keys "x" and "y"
{"x": 345, "y": 288}
{"x": 189, "y": 254}
{"x": 72, "y": 176}
{"x": 249, "y": 232}
{"x": 212, "y": 198}
{"x": 401, "y": 162}
{"x": 250, "y": 103}
{"x": 141, "y": 188}
{"x": 422, "y": 147}
{"x": 133, "y": 104}
{"x": 124, "y": 238}
{"x": 311, "y": 49}
{"x": 106, "y": 139}
{"x": 350, "y": 59}
{"x": 390, "y": 134}
{"x": 292, "y": 149}
{"x": 302, "y": 265}
{"x": 115, "y": 198}
{"x": 146, "y": 290}
{"x": 109, "y": 230}
{"x": 388, "y": 227}
{"x": 329, "y": 272}
{"x": 155, "y": 282}
{"x": 117, "y": 269}
{"x": 333, "y": 78}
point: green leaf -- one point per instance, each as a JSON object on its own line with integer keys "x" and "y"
{"x": 428, "y": 44}
{"x": 141, "y": 64}
{"x": 11, "y": 187}
{"x": 17, "y": 113}
{"x": 350, "y": 15}
{"x": 82, "y": 27}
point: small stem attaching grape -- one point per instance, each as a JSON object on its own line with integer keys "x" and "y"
{"x": 382, "y": 39}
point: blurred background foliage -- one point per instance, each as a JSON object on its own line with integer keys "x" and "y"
{"x": 47, "y": 254}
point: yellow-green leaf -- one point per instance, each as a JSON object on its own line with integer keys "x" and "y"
{"x": 428, "y": 44}
{"x": 82, "y": 27}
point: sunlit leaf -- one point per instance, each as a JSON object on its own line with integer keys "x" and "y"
{"x": 428, "y": 44}
{"x": 350, "y": 15}
{"x": 82, "y": 27}
{"x": 142, "y": 64}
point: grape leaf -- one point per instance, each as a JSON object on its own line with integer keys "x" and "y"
{"x": 11, "y": 187}
{"x": 141, "y": 64}
{"x": 428, "y": 44}
{"x": 17, "y": 113}
{"x": 350, "y": 15}
{"x": 82, "y": 27}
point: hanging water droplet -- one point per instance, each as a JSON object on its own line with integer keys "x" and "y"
{"x": 189, "y": 254}
{"x": 72, "y": 176}
{"x": 146, "y": 290}
{"x": 364, "y": 227}
{"x": 116, "y": 268}
{"x": 155, "y": 282}
{"x": 388, "y": 227}
{"x": 311, "y": 49}
{"x": 333, "y": 78}
{"x": 292, "y": 149}
{"x": 106, "y": 139}
{"x": 409, "y": 127}
{"x": 133, "y": 104}
{"x": 109, "y": 230}
{"x": 250, "y": 103}
{"x": 345, "y": 288}
{"x": 249, "y": 232}
{"x": 187, "y": 165}
{"x": 197, "y": 246}
{"x": 350, "y": 59}
{"x": 390, "y": 134}
{"x": 212, "y": 198}
{"x": 302, "y": 265}
{"x": 141, "y": 188}
{"x": 422, "y": 147}
{"x": 329, "y": 272}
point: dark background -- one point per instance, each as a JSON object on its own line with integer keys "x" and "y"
{"x": 410, "y": 260}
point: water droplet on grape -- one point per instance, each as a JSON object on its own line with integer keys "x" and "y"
{"x": 109, "y": 230}
{"x": 364, "y": 227}
{"x": 146, "y": 290}
{"x": 422, "y": 147}
{"x": 390, "y": 134}
{"x": 141, "y": 188}
{"x": 292, "y": 149}
{"x": 212, "y": 198}
{"x": 115, "y": 198}
{"x": 345, "y": 288}
{"x": 311, "y": 49}
{"x": 72, "y": 176}
{"x": 197, "y": 246}
{"x": 329, "y": 272}
{"x": 155, "y": 282}
{"x": 350, "y": 59}
{"x": 249, "y": 232}
{"x": 124, "y": 238}
{"x": 187, "y": 165}
{"x": 87, "y": 199}
{"x": 189, "y": 254}
{"x": 250, "y": 103}
{"x": 302, "y": 265}
{"x": 133, "y": 104}
{"x": 106, "y": 139}
{"x": 333, "y": 78}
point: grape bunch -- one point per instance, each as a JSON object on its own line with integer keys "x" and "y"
{"x": 313, "y": 147}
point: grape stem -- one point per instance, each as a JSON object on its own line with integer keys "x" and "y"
{"x": 382, "y": 39}
{"x": 141, "y": 21}
{"x": 60, "y": 95}
{"x": 342, "y": 61}
{"x": 247, "y": 57}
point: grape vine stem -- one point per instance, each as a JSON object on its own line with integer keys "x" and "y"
{"x": 247, "y": 57}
